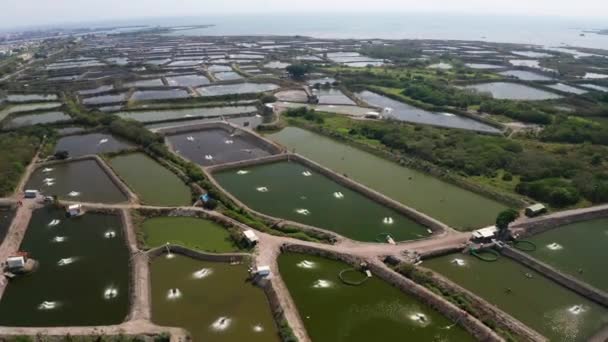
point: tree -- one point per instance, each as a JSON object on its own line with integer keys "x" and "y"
{"x": 298, "y": 71}
{"x": 504, "y": 219}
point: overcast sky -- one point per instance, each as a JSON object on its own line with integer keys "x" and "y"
{"x": 42, "y": 12}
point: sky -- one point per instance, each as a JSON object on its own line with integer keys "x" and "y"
{"x": 44, "y": 12}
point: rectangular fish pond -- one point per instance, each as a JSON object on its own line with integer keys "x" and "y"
{"x": 82, "y": 277}
{"x": 513, "y": 91}
{"x": 190, "y": 232}
{"x": 292, "y": 191}
{"x": 79, "y": 181}
{"x": 148, "y": 95}
{"x": 184, "y": 114}
{"x": 214, "y": 146}
{"x": 444, "y": 201}
{"x": 187, "y": 80}
{"x": 578, "y": 249}
{"x": 240, "y": 88}
{"x": 36, "y": 119}
{"x": 6, "y": 218}
{"x": 154, "y": 184}
{"x": 94, "y": 143}
{"x": 372, "y": 311}
{"x": 404, "y": 112}
{"x": 212, "y": 300}
{"x": 552, "y": 310}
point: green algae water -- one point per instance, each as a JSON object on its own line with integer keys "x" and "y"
{"x": 291, "y": 191}
{"x": 446, "y": 202}
{"x": 552, "y": 310}
{"x": 373, "y": 311}
{"x": 83, "y": 276}
{"x": 153, "y": 184}
{"x": 82, "y": 181}
{"x": 189, "y": 232}
{"x": 211, "y": 300}
{"x": 578, "y": 249}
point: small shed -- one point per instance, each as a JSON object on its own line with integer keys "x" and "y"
{"x": 15, "y": 263}
{"x": 485, "y": 233}
{"x": 262, "y": 271}
{"x": 250, "y": 236}
{"x": 31, "y": 193}
{"x": 535, "y": 210}
{"x": 74, "y": 210}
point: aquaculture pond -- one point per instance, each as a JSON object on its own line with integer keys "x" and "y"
{"x": 179, "y": 114}
{"x": 547, "y": 307}
{"x": 513, "y": 91}
{"x": 84, "y": 264}
{"x": 157, "y": 82}
{"x": 94, "y": 143}
{"x": 79, "y": 181}
{"x": 567, "y": 88}
{"x": 227, "y": 76}
{"x": 6, "y": 217}
{"x": 578, "y": 249}
{"x": 217, "y": 146}
{"x": 105, "y": 99}
{"x": 525, "y": 75}
{"x": 246, "y": 121}
{"x": 36, "y": 119}
{"x": 332, "y": 96}
{"x": 446, "y": 202}
{"x": 31, "y": 97}
{"x": 194, "y": 233}
{"x": 373, "y": 311}
{"x": 147, "y": 95}
{"x": 212, "y": 300}
{"x": 291, "y": 191}
{"x": 26, "y": 107}
{"x": 153, "y": 184}
{"x": 241, "y": 88}
{"x": 187, "y": 80}
{"x": 404, "y": 112}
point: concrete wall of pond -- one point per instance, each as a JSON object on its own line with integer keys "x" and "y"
{"x": 438, "y": 303}
{"x": 565, "y": 280}
{"x": 533, "y": 226}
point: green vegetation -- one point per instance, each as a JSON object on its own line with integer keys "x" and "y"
{"x": 298, "y": 70}
{"x": 17, "y": 152}
{"x": 189, "y": 232}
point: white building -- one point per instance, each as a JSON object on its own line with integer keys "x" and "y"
{"x": 250, "y": 236}
{"x": 15, "y": 263}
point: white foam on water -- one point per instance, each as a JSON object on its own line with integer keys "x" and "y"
{"x": 190, "y": 138}
{"x": 322, "y": 284}
{"x": 48, "y": 305}
{"x": 102, "y": 141}
{"x": 258, "y": 328}
{"x": 54, "y": 223}
{"x": 388, "y": 220}
{"x": 306, "y": 264}
{"x": 202, "y": 273}
{"x": 74, "y": 194}
{"x": 229, "y": 142}
{"x": 208, "y": 157}
{"x": 66, "y": 261}
{"x": 448, "y": 114}
{"x": 338, "y": 195}
{"x": 420, "y": 318}
{"x": 262, "y": 189}
{"x": 555, "y": 246}
{"x": 304, "y": 212}
{"x": 110, "y": 234}
{"x": 221, "y": 324}
{"x": 174, "y": 294}
{"x": 242, "y": 172}
{"x": 49, "y": 180}
{"x": 110, "y": 292}
{"x": 306, "y": 173}
{"x": 577, "y": 309}
{"x": 59, "y": 239}
{"x": 459, "y": 262}
{"x": 170, "y": 256}
{"x": 49, "y": 183}
{"x": 47, "y": 170}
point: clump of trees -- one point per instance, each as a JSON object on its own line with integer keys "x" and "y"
{"x": 305, "y": 113}
{"x": 520, "y": 111}
{"x": 299, "y": 70}
{"x": 575, "y": 130}
{"x": 17, "y": 152}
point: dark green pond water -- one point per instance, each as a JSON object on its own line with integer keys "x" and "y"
{"x": 37, "y": 119}
{"x": 75, "y": 293}
{"x": 374, "y": 311}
{"x": 94, "y": 143}
{"x": 284, "y": 191}
{"x": 446, "y": 202}
{"x": 552, "y": 310}
{"x": 220, "y": 291}
{"x": 6, "y": 217}
{"x": 579, "y": 249}
{"x": 82, "y": 181}
{"x": 154, "y": 184}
